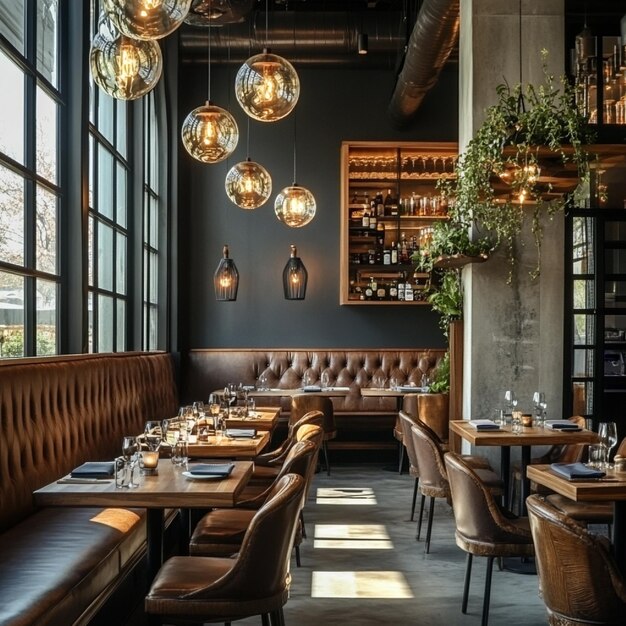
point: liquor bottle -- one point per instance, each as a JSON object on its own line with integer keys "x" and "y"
{"x": 408, "y": 292}
{"x": 393, "y": 290}
{"x": 401, "y": 289}
{"x": 394, "y": 211}
{"x": 386, "y": 256}
{"x": 381, "y": 291}
{"x": 372, "y": 221}
{"x": 380, "y": 207}
{"x": 404, "y": 249}
{"x": 394, "y": 253}
{"x": 388, "y": 202}
{"x": 380, "y": 234}
{"x": 368, "y": 290}
{"x": 365, "y": 222}
{"x": 371, "y": 256}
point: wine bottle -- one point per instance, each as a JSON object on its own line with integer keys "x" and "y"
{"x": 394, "y": 254}
{"x": 365, "y": 222}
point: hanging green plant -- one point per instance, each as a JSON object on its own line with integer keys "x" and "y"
{"x": 530, "y": 150}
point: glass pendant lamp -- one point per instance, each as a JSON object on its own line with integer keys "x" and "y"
{"x": 124, "y": 68}
{"x": 294, "y": 277}
{"x": 209, "y": 133}
{"x": 267, "y": 86}
{"x": 147, "y": 19}
{"x": 226, "y": 278}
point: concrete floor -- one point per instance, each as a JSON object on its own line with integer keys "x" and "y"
{"x": 352, "y": 575}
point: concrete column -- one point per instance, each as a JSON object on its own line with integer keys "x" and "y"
{"x": 513, "y": 333}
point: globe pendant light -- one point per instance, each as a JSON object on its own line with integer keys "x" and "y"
{"x": 295, "y": 206}
{"x": 209, "y": 133}
{"x": 124, "y": 68}
{"x": 294, "y": 277}
{"x": 226, "y": 278}
{"x": 248, "y": 184}
{"x": 267, "y": 86}
{"x": 147, "y": 19}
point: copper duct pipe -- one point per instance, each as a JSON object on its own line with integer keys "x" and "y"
{"x": 434, "y": 36}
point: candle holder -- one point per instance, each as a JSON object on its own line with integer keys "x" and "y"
{"x": 149, "y": 462}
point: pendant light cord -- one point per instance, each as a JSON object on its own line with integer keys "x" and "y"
{"x": 521, "y": 106}
{"x": 209, "y": 57}
{"x": 267, "y": 31}
{"x": 295, "y": 143}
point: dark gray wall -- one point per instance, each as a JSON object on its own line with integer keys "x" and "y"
{"x": 334, "y": 105}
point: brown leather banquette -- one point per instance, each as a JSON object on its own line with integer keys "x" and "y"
{"x": 357, "y": 417}
{"x": 59, "y": 565}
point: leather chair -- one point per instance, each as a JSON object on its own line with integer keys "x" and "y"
{"x": 433, "y": 478}
{"x": 483, "y": 528}
{"x": 221, "y": 531}
{"x": 405, "y": 423}
{"x": 208, "y": 589}
{"x": 303, "y": 403}
{"x": 579, "y": 579}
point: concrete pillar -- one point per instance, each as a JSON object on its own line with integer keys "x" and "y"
{"x": 513, "y": 333}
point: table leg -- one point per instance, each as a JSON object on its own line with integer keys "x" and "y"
{"x": 505, "y": 469}
{"x": 154, "y": 540}
{"x": 619, "y": 533}
{"x": 525, "y": 481}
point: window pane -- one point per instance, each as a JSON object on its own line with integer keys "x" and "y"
{"x": 12, "y": 20}
{"x": 584, "y": 329}
{"x": 152, "y": 328}
{"x": 90, "y": 327}
{"x": 615, "y": 231}
{"x": 615, "y": 261}
{"x": 583, "y": 363}
{"x": 47, "y": 112}
{"x": 120, "y": 258}
{"x": 120, "y": 200}
{"x": 152, "y": 295}
{"x": 12, "y": 212}
{"x": 46, "y": 317}
{"x": 105, "y": 257}
{"x": 12, "y": 107}
{"x": 46, "y": 231}
{"x": 583, "y": 294}
{"x": 90, "y": 249}
{"x": 105, "y": 324}
{"x": 47, "y": 39}
{"x": 583, "y": 259}
{"x": 121, "y": 326}
{"x": 154, "y": 223}
{"x": 105, "y": 116}
{"x": 11, "y": 315}
{"x": 105, "y": 182}
{"x": 615, "y": 295}
{"x": 92, "y": 173}
{"x": 121, "y": 142}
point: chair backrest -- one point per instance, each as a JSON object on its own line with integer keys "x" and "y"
{"x": 261, "y": 569}
{"x": 579, "y": 578}
{"x": 433, "y": 410}
{"x": 304, "y": 402}
{"x": 477, "y": 516}
{"x": 429, "y": 456}
{"x": 573, "y": 452}
{"x": 406, "y": 421}
{"x": 621, "y": 449}
{"x": 299, "y": 459}
{"x": 311, "y": 417}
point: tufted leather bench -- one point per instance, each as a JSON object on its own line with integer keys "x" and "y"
{"x": 60, "y": 565}
{"x": 362, "y": 422}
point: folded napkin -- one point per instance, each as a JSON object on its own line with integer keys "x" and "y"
{"x": 241, "y": 433}
{"x": 410, "y": 389}
{"x": 211, "y": 469}
{"x": 94, "y": 469}
{"x": 311, "y": 388}
{"x": 573, "y": 471}
{"x": 484, "y": 425}
{"x": 562, "y": 425}
{"x": 339, "y": 389}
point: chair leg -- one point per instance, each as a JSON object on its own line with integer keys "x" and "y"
{"x": 417, "y": 480}
{"x": 487, "y": 591}
{"x": 466, "y": 583}
{"x": 325, "y": 448}
{"x": 277, "y": 618}
{"x": 431, "y": 513}
{"x": 400, "y": 457}
{"x": 298, "y": 564}
{"x": 302, "y": 524}
{"x": 265, "y": 619}
{"x": 419, "y": 523}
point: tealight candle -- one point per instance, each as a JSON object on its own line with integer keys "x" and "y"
{"x": 149, "y": 462}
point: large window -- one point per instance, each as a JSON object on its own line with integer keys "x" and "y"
{"x": 30, "y": 190}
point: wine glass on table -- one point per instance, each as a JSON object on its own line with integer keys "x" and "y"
{"x": 153, "y": 435}
{"x": 129, "y": 450}
{"x": 214, "y": 407}
{"x": 539, "y": 400}
{"x": 607, "y": 432}
{"x": 510, "y": 400}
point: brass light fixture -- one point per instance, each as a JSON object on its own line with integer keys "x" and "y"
{"x": 294, "y": 277}
{"x": 267, "y": 86}
{"x": 147, "y": 19}
{"x": 209, "y": 133}
{"x": 226, "y": 278}
{"x": 124, "y": 68}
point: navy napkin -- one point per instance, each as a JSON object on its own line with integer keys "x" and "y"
{"x": 576, "y": 471}
{"x": 94, "y": 469}
{"x": 562, "y": 425}
{"x": 313, "y": 388}
{"x": 211, "y": 469}
{"x": 484, "y": 425}
{"x": 241, "y": 433}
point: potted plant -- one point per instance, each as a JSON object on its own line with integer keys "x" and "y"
{"x": 528, "y": 151}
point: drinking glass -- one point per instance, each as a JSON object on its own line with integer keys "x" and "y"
{"x": 516, "y": 422}
{"x": 539, "y": 401}
{"x": 596, "y": 455}
{"x": 510, "y": 399}
{"x": 129, "y": 451}
{"x": 607, "y": 432}
{"x": 153, "y": 435}
{"x": 262, "y": 385}
{"x": 325, "y": 379}
{"x": 214, "y": 407}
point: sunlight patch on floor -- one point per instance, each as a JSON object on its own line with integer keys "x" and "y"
{"x": 352, "y": 537}
{"x": 346, "y": 495}
{"x": 379, "y": 584}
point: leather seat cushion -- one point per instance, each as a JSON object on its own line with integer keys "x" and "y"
{"x": 58, "y": 560}
{"x": 220, "y": 532}
{"x": 588, "y": 512}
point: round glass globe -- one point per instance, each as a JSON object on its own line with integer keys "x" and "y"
{"x": 248, "y": 185}
{"x": 295, "y": 206}
{"x": 147, "y": 19}
{"x": 209, "y": 133}
{"x": 267, "y": 87}
{"x": 122, "y": 67}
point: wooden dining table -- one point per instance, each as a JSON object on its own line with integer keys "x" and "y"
{"x": 262, "y": 418}
{"x": 530, "y": 436}
{"x": 166, "y": 490}
{"x": 224, "y": 447}
{"x": 611, "y": 488}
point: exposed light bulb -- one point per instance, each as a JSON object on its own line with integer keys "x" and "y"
{"x": 128, "y": 62}
{"x": 268, "y": 88}
{"x": 147, "y": 19}
{"x": 295, "y": 206}
{"x": 248, "y": 185}
{"x": 225, "y": 281}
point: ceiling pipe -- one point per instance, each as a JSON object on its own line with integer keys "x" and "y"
{"x": 434, "y": 37}
{"x": 303, "y": 37}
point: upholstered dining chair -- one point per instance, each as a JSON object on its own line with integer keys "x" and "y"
{"x": 303, "y": 403}
{"x": 200, "y": 589}
{"x": 220, "y": 532}
{"x": 483, "y": 528}
{"x": 579, "y": 579}
{"x": 405, "y": 423}
{"x": 433, "y": 478}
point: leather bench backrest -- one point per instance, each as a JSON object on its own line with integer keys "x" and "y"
{"x": 57, "y": 412}
{"x": 205, "y": 370}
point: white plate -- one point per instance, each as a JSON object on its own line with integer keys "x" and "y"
{"x": 204, "y": 476}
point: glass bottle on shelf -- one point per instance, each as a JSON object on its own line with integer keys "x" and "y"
{"x": 380, "y": 207}
{"x": 365, "y": 222}
{"x": 388, "y": 202}
{"x": 394, "y": 253}
{"x": 380, "y": 234}
{"x": 381, "y": 291}
{"x": 372, "y": 221}
{"x": 393, "y": 290}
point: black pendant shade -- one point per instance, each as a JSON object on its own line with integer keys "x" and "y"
{"x": 294, "y": 277}
{"x": 226, "y": 278}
